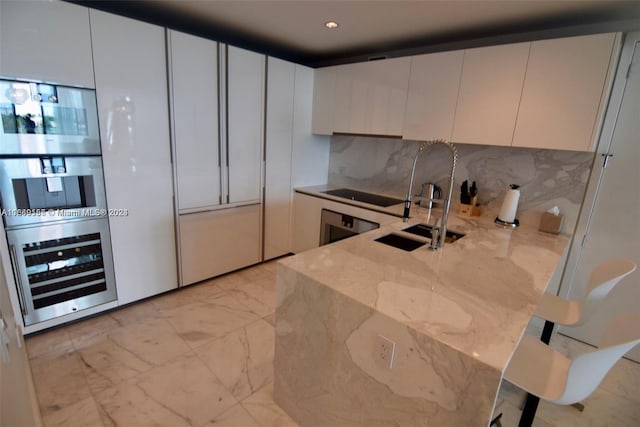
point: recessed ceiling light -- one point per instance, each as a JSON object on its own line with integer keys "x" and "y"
{"x": 331, "y": 24}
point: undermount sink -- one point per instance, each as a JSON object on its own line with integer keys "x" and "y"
{"x": 424, "y": 230}
{"x": 400, "y": 242}
{"x": 360, "y": 196}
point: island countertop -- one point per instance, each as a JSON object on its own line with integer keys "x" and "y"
{"x": 476, "y": 295}
{"x": 454, "y": 318}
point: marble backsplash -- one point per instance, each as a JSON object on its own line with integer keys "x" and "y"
{"x": 547, "y": 178}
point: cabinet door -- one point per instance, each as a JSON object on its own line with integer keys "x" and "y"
{"x": 306, "y": 222}
{"x": 324, "y": 85}
{"x": 490, "y": 89}
{"x": 565, "y": 85}
{"x": 45, "y": 40}
{"x": 278, "y": 146}
{"x": 194, "y": 77}
{"x": 245, "y": 110}
{"x": 131, "y": 86}
{"x": 433, "y": 90}
{"x": 370, "y": 97}
{"x": 19, "y": 404}
{"x": 216, "y": 242}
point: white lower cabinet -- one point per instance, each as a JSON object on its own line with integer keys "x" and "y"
{"x": 219, "y": 241}
{"x": 131, "y": 87}
{"x": 306, "y": 222}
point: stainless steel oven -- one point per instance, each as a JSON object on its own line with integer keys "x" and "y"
{"x": 46, "y": 189}
{"x": 336, "y": 226}
{"x": 41, "y": 118}
{"x": 62, "y": 268}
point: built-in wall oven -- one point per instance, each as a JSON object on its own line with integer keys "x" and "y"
{"x": 41, "y": 118}
{"x": 53, "y": 200}
{"x": 335, "y": 226}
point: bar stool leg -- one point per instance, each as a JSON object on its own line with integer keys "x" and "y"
{"x": 531, "y": 404}
{"x": 529, "y": 411}
{"x": 547, "y": 331}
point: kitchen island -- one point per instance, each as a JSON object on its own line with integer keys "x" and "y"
{"x": 452, "y": 319}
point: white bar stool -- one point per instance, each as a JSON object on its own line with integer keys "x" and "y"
{"x": 543, "y": 372}
{"x": 556, "y": 310}
{"x": 565, "y": 312}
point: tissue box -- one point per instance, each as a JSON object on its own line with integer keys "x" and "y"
{"x": 469, "y": 210}
{"x": 550, "y": 223}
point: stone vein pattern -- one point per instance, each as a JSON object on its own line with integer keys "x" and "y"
{"x": 456, "y": 316}
{"x": 547, "y": 177}
{"x": 200, "y": 356}
{"x": 70, "y": 395}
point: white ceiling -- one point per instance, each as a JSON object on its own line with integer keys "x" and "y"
{"x": 296, "y": 28}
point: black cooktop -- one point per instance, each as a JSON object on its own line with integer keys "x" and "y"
{"x": 359, "y": 196}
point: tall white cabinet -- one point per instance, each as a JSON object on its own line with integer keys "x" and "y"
{"x": 217, "y": 94}
{"x": 194, "y": 77}
{"x": 278, "y": 148}
{"x": 46, "y": 40}
{"x": 131, "y": 86}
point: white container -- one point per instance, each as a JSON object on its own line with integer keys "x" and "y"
{"x": 510, "y": 205}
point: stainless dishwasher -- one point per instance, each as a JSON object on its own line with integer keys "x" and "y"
{"x": 336, "y": 226}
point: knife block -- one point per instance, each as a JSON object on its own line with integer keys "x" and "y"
{"x": 469, "y": 210}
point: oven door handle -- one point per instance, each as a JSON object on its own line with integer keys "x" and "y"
{"x": 14, "y": 262}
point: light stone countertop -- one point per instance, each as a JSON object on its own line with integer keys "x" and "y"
{"x": 475, "y": 295}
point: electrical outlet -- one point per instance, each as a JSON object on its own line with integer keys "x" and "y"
{"x": 384, "y": 351}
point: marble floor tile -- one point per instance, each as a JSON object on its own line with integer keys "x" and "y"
{"x": 242, "y": 359}
{"x": 83, "y": 413}
{"x": 204, "y": 290}
{"x": 258, "y": 272}
{"x": 230, "y": 280}
{"x": 128, "y": 405}
{"x": 237, "y": 416}
{"x": 511, "y": 416}
{"x": 187, "y": 388}
{"x": 601, "y": 409}
{"x": 107, "y": 364}
{"x": 59, "y": 381}
{"x": 135, "y": 313}
{"x": 271, "y": 319}
{"x": 173, "y": 299}
{"x": 154, "y": 341}
{"x": 265, "y": 411}
{"x": 201, "y": 322}
{"x": 90, "y": 331}
{"x": 55, "y": 342}
{"x": 258, "y": 296}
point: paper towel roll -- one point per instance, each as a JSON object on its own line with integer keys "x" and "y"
{"x": 509, "y": 206}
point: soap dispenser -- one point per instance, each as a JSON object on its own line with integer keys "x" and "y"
{"x": 507, "y": 215}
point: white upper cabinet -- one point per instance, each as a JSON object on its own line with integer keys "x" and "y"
{"x": 324, "y": 86}
{"x": 433, "y": 90}
{"x": 564, "y": 88}
{"x": 490, "y": 89}
{"x": 194, "y": 83}
{"x": 245, "y": 103}
{"x": 278, "y": 146}
{"x": 131, "y": 87}
{"x": 46, "y": 41}
{"x": 363, "y": 98}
